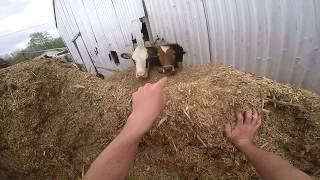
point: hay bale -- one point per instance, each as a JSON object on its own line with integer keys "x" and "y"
{"x": 55, "y": 120}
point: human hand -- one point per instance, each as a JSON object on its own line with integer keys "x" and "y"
{"x": 148, "y": 103}
{"x": 243, "y": 133}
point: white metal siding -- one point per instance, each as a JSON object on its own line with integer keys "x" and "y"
{"x": 127, "y": 14}
{"x": 83, "y": 23}
{"x": 66, "y": 30}
{"x": 183, "y": 22}
{"x": 276, "y": 38}
{"x": 105, "y": 25}
{"x": 100, "y": 40}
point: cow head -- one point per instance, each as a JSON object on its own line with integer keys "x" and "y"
{"x": 140, "y": 58}
{"x": 169, "y": 57}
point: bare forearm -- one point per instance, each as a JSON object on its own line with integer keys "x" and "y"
{"x": 271, "y": 166}
{"x": 114, "y": 162}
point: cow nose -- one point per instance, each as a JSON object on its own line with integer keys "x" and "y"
{"x": 141, "y": 75}
{"x": 168, "y": 68}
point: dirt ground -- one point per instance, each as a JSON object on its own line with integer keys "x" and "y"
{"x": 55, "y": 120}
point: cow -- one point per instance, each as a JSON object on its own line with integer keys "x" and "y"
{"x": 170, "y": 56}
{"x": 167, "y": 56}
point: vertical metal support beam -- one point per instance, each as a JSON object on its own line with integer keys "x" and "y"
{"x": 146, "y": 20}
{"x": 76, "y": 45}
{"x": 207, "y": 25}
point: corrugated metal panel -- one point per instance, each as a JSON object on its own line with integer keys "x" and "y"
{"x": 113, "y": 23}
{"x": 128, "y": 13}
{"x": 105, "y": 25}
{"x": 128, "y": 10}
{"x": 65, "y": 31}
{"x": 100, "y": 38}
{"x": 278, "y": 38}
{"x": 312, "y": 79}
{"x": 83, "y": 23}
{"x": 183, "y": 22}
{"x": 68, "y": 29}
{"x": 111, "y": 28}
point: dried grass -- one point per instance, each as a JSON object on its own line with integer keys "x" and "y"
{"x": 55, "y": 120}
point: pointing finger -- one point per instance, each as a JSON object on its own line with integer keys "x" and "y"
{"x": 161, "y": 83}
{"x": 148, "y": 85}
{"x": 140, "y": 89}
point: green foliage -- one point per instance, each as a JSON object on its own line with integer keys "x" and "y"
{"x": 39, "y": 41}
{"x": 16, "y": 57}
{"x": 43, "y": 40}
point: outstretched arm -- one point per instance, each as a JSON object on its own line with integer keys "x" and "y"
{"x": 268, "y": 165}
{"x": 115, "y": 160}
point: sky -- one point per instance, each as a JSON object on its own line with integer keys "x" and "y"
{"x": 20, "y": 18}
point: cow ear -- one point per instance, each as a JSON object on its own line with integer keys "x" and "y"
{"x": 126, "y": 55}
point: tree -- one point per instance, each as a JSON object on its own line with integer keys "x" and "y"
{"x": 57, "y": 43}
{"x": 43, "y": 40}
{"x": 39, "y": 41}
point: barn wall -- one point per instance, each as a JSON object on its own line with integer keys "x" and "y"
{"x": 113, "y": 22}
{"x": 276, "y": 38}
{"x": 183, "y": 22}
{"x": 65, "y": 31}
{"x": 105, "y": 26}
{"x": 68, "y": 29}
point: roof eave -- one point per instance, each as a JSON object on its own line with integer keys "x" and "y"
{"x": 54, "y": 12}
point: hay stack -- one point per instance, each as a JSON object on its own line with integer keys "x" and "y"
{"x": 55, "y": 120}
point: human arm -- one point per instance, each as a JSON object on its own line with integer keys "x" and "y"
{"x": 268, "y": 165}
{"x": 116, "y": 159}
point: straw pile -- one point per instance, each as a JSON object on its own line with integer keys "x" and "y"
{"x": 56, "y": 119}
